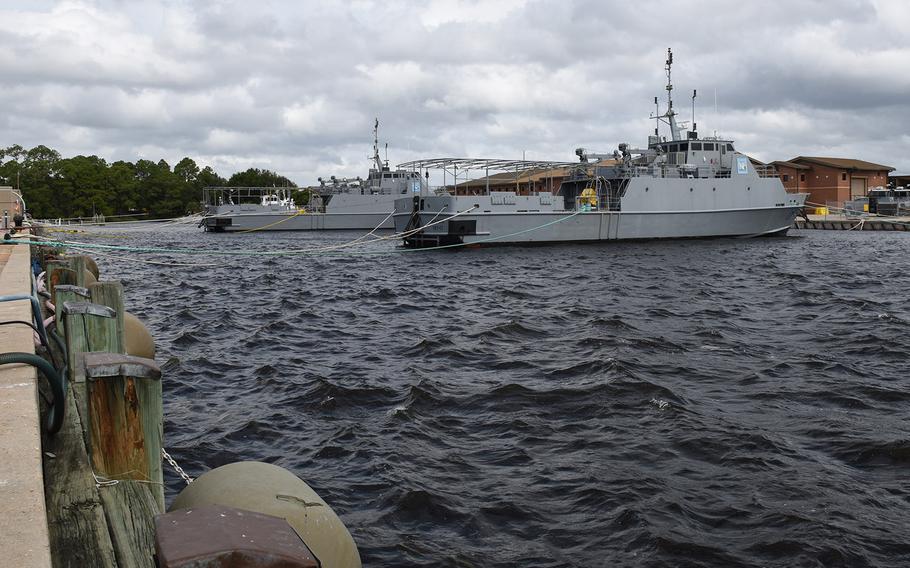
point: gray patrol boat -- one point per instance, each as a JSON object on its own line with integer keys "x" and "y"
{"x": 684, "y": 187}
{"x": 336, "y": 203}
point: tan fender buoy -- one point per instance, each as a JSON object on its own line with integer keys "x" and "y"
{"x": 272, "y": 490}
{"x": 92, "y": 266}
{"x": 137, "y": 339}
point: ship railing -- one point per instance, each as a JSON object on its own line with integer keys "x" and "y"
{"x": 765, "y": 170}
{"x": 851, "y": 209}
{"x": 678, "y": 171}
{"x": 693, "y": 171}
{"x": 216, "y": 196}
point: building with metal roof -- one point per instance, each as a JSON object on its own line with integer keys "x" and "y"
{"x": 831, "y": 180}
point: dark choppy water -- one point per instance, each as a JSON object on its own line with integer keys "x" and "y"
{"x": 697, "y": 403}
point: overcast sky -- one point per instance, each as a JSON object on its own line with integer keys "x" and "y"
{"x": 294, "y": 86}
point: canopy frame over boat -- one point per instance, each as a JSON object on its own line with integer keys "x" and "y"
{"x": 459, "y": 168}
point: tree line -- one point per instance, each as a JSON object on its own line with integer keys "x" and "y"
{"x": 56, "y": 187}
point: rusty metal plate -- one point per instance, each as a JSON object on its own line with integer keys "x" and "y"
{"x": 214, "y": 536}
{"x": 99, "y": 364}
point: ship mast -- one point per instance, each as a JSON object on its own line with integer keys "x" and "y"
{"x": 376, "y": 157}
{"x": 670, "y": 115}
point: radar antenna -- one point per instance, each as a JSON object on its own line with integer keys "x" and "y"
{"x": 376, "y": 157}
{"x": 694, "y": 126}
{"x": 669, "y": 116}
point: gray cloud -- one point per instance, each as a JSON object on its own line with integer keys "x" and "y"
{"x": 294, "y": 86}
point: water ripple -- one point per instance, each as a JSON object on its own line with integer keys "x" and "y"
{"x": 695, "y": 403}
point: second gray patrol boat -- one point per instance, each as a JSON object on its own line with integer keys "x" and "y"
{"x": 678, "y": 188}
{"x": 337, "y": 203}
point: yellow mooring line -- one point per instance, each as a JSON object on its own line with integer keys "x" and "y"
{"x": 299, "y": 212}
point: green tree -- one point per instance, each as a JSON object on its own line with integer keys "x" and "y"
{"x": 190, "y": 191}
{"x": 254, "y": 177}
{"x": 79, "y": 186}
{"x": 205, "y": 178}
{"x": 122, "y": 177}
{"x": 187, "y": 170}
{"x": 10, "y": 168}
{"x": 159, "y": 189}
{"x": 83, "y": 185}
{"x": 36, "y": 176}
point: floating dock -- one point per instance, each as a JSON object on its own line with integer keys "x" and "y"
{"x": 841, "y": 223}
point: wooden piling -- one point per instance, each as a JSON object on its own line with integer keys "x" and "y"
{"x": 125, "y": 429}
{"x": 63, "y": 293}
{"x": 89, "y": 327}
{"x": 77, "y": 264}
{"x": 110, "y": 445}
{"x": 76, "y": 519}
{"x": 110, "y": 294}
{"x": 59, "y": 272}
{"x": 126, "y": 421}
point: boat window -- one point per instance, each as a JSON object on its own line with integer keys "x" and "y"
{"x": 386, "y": 176}
{"x": 696, "y": 146}
{"x": 684, "y": 147}
{"x": 723, "y": 149}
{"x": 709, "y": 146}
{"x": 730, "y": 147}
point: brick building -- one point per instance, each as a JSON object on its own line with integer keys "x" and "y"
{"x": 829, "y": 180}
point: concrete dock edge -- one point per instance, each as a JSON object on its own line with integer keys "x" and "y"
{"x": 24, "y": 540}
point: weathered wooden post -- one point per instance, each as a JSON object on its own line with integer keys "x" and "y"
{"x": 110, "y": 294}
{"x": 78, "y": 265}
{"x": 125, "y": 431}
{"x": 63, "y": 293}
{"x": 76, "y": 519}
{"x": 59, "y": 272}
{"x": 89, "y": 327}
{"x": 125, "y": 417}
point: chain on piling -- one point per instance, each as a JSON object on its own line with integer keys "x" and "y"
{"x": 176, "y": 467}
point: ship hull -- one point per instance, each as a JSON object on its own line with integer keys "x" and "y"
{"x": 570, "y": 226}
{"x": 293, "y": 221}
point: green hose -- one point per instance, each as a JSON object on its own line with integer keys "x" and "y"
{"x": 55, "y": 412}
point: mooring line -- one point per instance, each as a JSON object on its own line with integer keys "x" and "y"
{"x": 327, "y": 251}
{"x": 241, "y": 252}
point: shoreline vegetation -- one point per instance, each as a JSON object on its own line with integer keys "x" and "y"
{"x": 82, "y": 186}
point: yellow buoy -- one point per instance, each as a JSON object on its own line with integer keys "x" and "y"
{"x": 137, "y": 339}
{"x": 265, "y": 488}
{"x": 92, "y": 266}
{"x": 89, "y": 278}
